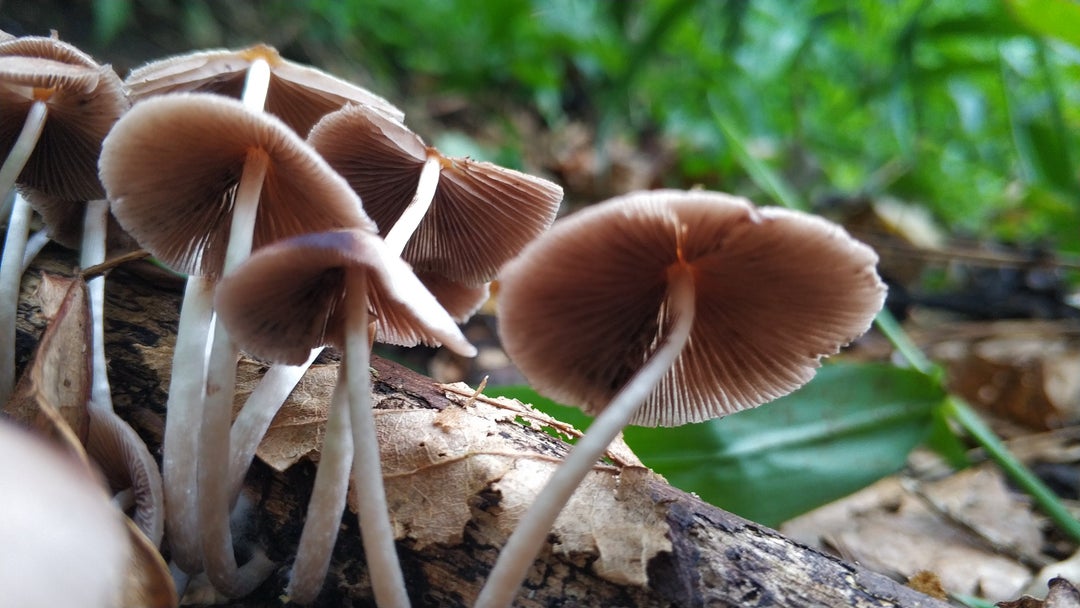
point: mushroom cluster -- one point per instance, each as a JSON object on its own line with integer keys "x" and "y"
{"x": 306, "y": 214}
{"x": 202, "y": 181}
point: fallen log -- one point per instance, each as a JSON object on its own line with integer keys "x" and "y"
{"x": 460, "y": 469}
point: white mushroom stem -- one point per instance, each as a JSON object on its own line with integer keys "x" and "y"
{"x": 24, "y": 146}
{"x": 183, "y": 417}
{"x": 15, "y": 242}
{"x": 376, "y": 531}
{"x": 255, "y": 417}
{"x": 256, "y": 85}
{"x": 418, "y": 207}
{"x": 328, "y": 496}
{"x": 34, "y": 245}
{"x": 529, "y": 536}
{"x": 115, "y": 435}
{"x": 95, "y": 221}
{"x": 10, "y": 281}
{"x": 214, "y": 497}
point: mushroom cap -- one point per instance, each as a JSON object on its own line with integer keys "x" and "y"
{"x": 299, "y": 95}
{"x": 459, "y": 299}
{"x": 84, "y": 100}
{"x": 64, "y": 544}
{"x": 482, "y": 214}
{"x": 289, "y": 297}
{"x": 47, "y": 47}
{"x": 583, "y": 308}
{"x": 171, "y": 166}
{"x": 64, "y": 219}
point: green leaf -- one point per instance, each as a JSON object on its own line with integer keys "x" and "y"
{"x": 1057, "y": 18}
{"x": 850, "y": 426}
{"x": 110, "y": 17}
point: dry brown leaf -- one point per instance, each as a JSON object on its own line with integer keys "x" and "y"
{"x": 459, "y": 453}
{"x": 1069, "y": 569}
{"x": 1027, "y": 371}
{"x": 52, "y": 394}
{"x": 297, "y": 429}
{"x": 892, "y": 531}
{"x": 148, "y": 584}
{"x": 1063, "y": 594}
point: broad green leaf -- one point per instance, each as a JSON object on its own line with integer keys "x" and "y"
{"x": 1057, "y": 18}
{"x": 850, "y": 426}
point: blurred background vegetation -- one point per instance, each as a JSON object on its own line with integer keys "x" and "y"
{"x": 963, "y": 114}
{"x": 965, "y": 108}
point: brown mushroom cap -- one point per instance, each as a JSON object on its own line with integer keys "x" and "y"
{"x": 582, "y": 308}
{"x": 48, "y": 48}
{"x": 84, "y": 100}
{"x": 482, "y": 214}
{"x": 299, "y": 95}
{"x": 459, "y": 299}
{"x": 172, "y": 163}
{"x": 288, "y": 298}
{"x": 64, "y": 220}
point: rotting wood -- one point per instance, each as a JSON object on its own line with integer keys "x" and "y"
{"x": 716, "y": 558}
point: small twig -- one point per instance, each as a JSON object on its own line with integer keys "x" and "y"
{"x": 100, "y": 269}
{"x": 525, "y": 411}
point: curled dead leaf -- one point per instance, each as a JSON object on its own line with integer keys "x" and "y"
{"x": 51, "y": 396}
{"x": 148, "y": 584}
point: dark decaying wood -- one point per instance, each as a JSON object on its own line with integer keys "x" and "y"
{"x": 717, "y": 559}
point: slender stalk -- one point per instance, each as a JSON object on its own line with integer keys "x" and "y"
{"x": 95, "y": 220}
{"x": 183, "y": 417}
{"x": 890, "y": 328}
{"x": 219, "y": 560}
{"x": 255, "y": 417}
{"x": 376, "y": 531}
{"x": 115, "y": 433}
{"x": 15, "y": 242}
{"x": 34, "y": 245}
{"x": 10, "y": 280}
{"x": 410, "y": 219}
{"x": 531, "y": 532}
{"x": 327, "y": 503}
{"x": 256, "y": 85}
{"x": 23, "y": 147}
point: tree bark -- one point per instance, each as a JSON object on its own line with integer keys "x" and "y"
{"x": 478, "y": 461}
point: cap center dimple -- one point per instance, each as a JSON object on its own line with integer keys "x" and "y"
{"x": 43, "y": 93}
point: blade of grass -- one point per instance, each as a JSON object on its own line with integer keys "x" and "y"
{"x": 762, "y": 175}
{"x": 961, "y": 413}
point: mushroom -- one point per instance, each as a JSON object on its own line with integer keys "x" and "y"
{"x": 668, "y": 307}
{"x": 56, "y": 105}
{"x": 297, "y": 94}
{"x": 453, "y": 217}
{"x": 336, "y": 278}
{"x": 64, "y": 543}
{"x": 199, "y": 180}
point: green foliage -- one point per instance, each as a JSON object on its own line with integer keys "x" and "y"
{"x": 967, "y": 107}
{"x": 850, "y": 426}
